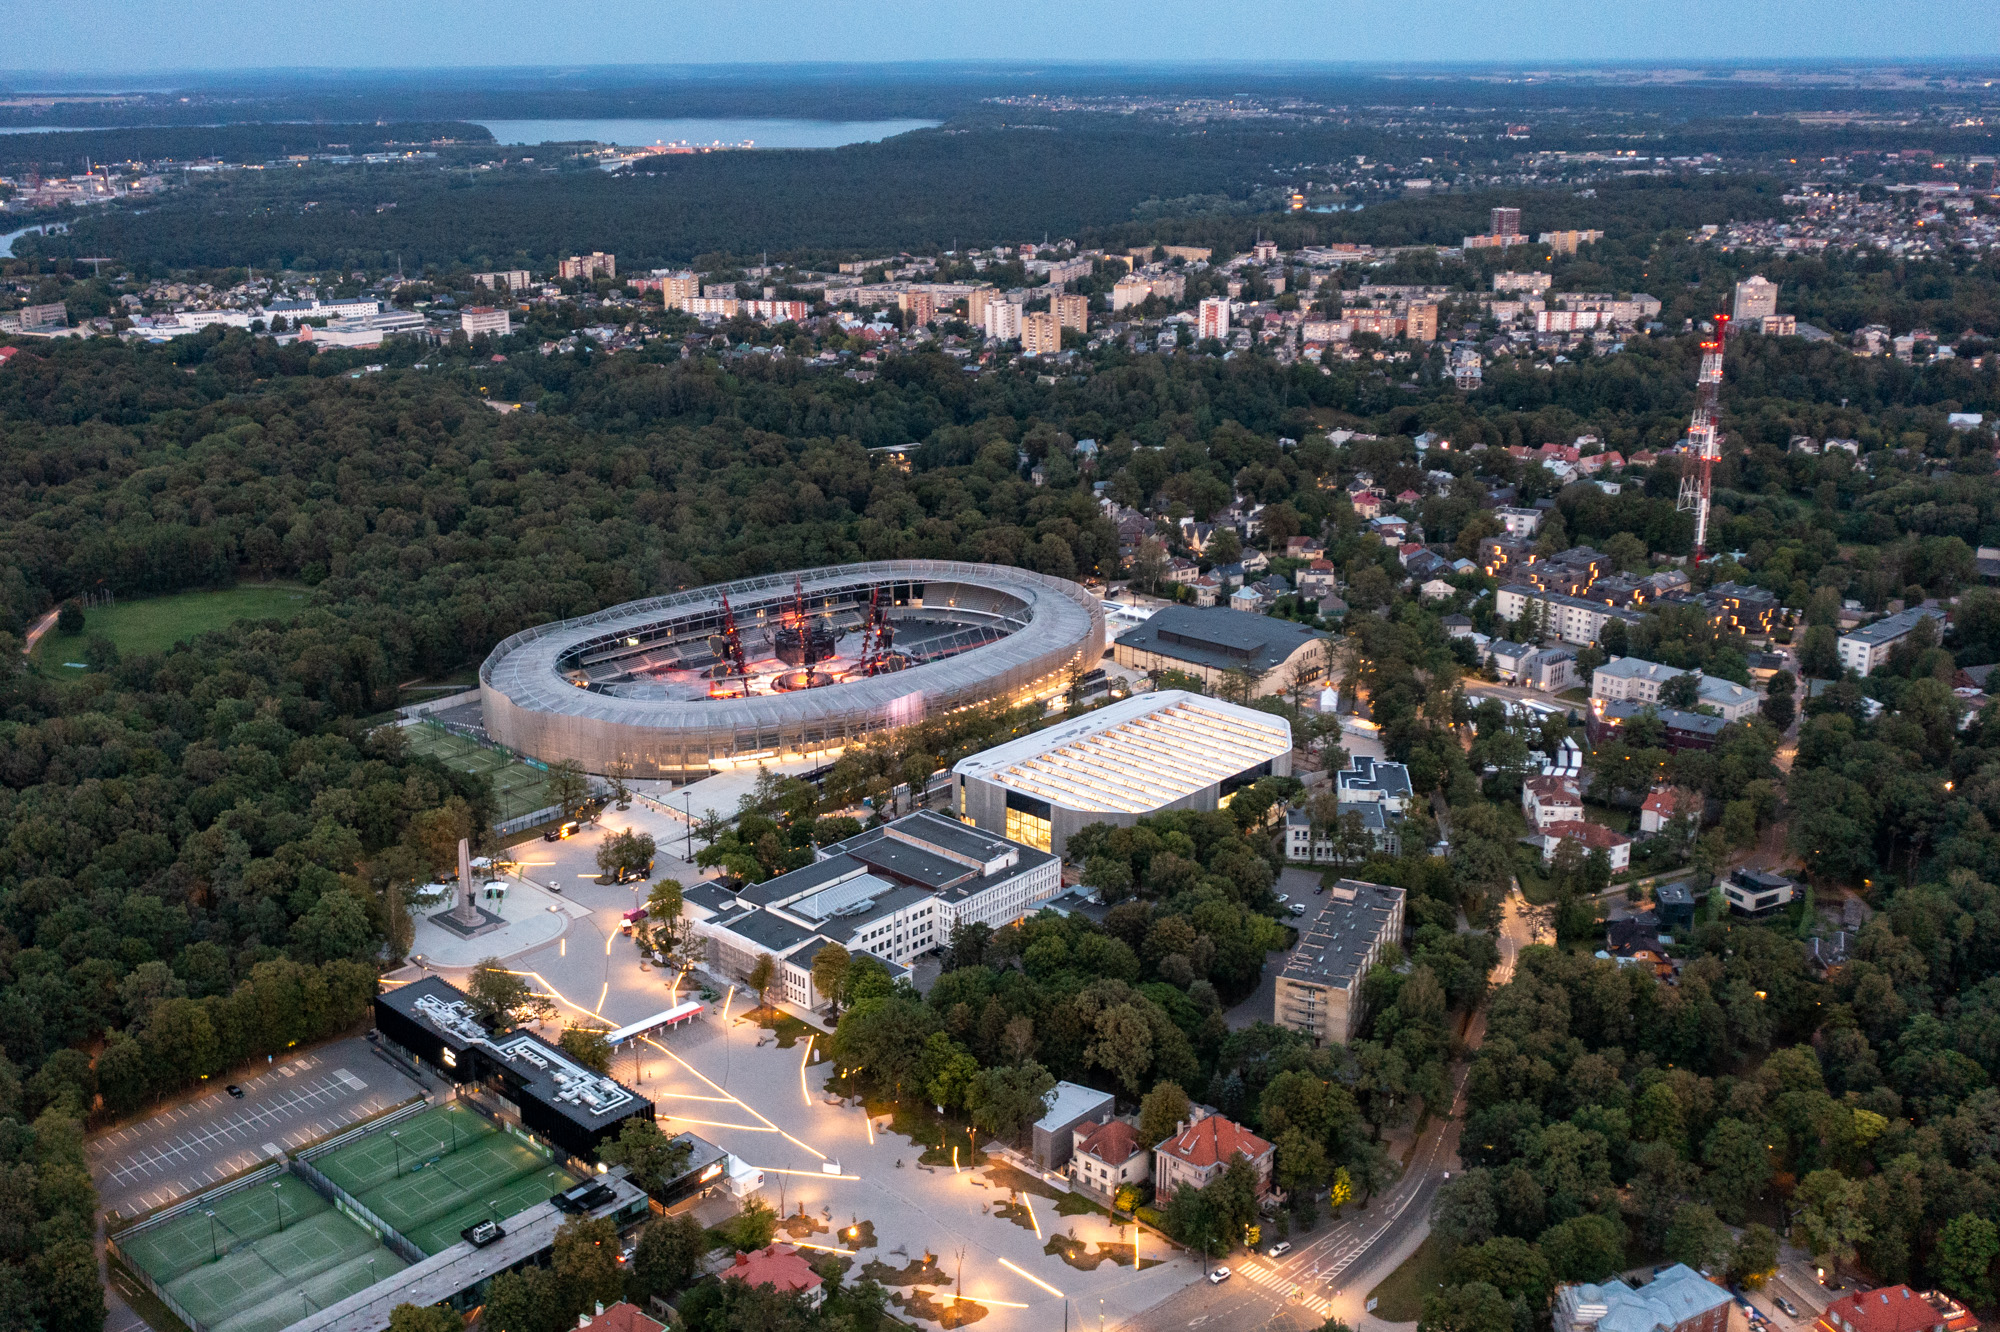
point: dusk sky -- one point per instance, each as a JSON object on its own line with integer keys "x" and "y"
{"x": 152, "y": 35}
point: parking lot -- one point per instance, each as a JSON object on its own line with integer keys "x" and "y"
{"x": 151, "y": 1162}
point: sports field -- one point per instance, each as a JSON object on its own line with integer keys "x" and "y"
{"x": 154, "y": 624}
{"x": 517, "y": 788}
{"x": 260, "y": 1258}
{"x": 433, "y": 1175}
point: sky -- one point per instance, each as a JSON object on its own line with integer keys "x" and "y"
{"x": 135, "y": 36}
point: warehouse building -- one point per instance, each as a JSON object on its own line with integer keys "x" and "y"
{"x": 1211, "y": 643}
{"x": 1167, "y": 749}
{"x": 1319, "y": 991}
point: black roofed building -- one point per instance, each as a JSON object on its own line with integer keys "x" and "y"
{"x": 1209, "y": 643}
{"x": 1319, "y": 990}
{"x": 431, "y": 1023}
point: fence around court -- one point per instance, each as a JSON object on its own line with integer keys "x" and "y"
{"x": 121, "y": 1244}
{"x": 304, "y": 1165}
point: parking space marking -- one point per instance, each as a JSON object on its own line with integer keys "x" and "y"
{"x": 243, "y": 1126}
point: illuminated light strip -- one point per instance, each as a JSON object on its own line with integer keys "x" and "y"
{"x": 716, "y": 1123}
{"x": 807, "y": 1174}
{"x": 804, "y": 1094}
{"x": 823, "y": 1248}
{"x": 1025, "y": 1202}
{"x": 690, "y": 1096}
{"x": 726, "y": 1001}
{"x": 602, "y": 995}
{"x": 1030, "y": 1276}
{"x": 868, "y": 1120}
{"x": 950, "y": 1298}
{"x": 607, "y": 944}
{"x": 725, "y": 1091}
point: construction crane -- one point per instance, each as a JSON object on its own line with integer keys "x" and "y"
{"x": 728, "y": 648}
{"x": 1704, "y": 443}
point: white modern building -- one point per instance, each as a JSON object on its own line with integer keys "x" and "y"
{"x": 1869, "y": 646}
{"x": 895, "y": 892}
{"x": 1165, "y": 749}
{"x": 1630, "y": 679}
{"x": 486, "y": 319}
{"x": 1572, "y": 619}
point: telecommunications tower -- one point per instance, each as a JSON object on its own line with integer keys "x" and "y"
{"x": 1703, "y": 443}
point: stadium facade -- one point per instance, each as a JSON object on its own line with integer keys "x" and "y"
{"x": 785, "y": 666}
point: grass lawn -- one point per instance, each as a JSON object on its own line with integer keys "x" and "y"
{"x": 1401, "y": 1294}
{"x": 1614, "y": 817}
{"x": 154, "y": 624}
{"x": 1535, "y": 885}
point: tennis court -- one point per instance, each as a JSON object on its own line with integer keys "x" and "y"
{"x": 517, "y": 788}
{"x": 436, "y": 1173}
{"x": 260, "y": 1258}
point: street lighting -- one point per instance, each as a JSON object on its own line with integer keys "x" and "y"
{"x": 394, "y": 1136}
{"x": 214, "y": 1251}
{"x": 278, "y": 1197}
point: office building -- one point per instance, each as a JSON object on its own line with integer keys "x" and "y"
{"x": 893, "y": 893}
{"x": 1505, "y": 222}
{"x": 1041, "y": 334}
{"x": 1003, "y": 321}
{"x": 1319, "y": 990}
{"x": 486, "y": 320}
{"x": 1756, "y": 297}
{"x": 584, "y": 267}
{"x": 1865, "y": 649}
{"x": 1071, "y": 311}
{"x": 1213, "y": 645}
{"x": 1213, "y": 318}
{"x": 1160, "y": 750}
{"x": 1422, "y": 322}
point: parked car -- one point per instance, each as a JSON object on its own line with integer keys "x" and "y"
{"x": 562, "y": 831}
{"x": 234, "y": 1090}
{"x": 1218, "y": 1276}
{"x": 1298, "y": 908}
{"x": 1791, "y": 1310}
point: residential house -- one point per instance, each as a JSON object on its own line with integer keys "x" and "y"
{"x": 1202, "y": 1149}
{"x": 1755, "y": 893}
{"x": 1635, "y": 942}
{"x": 1319, "y": 578}
{"x": 1457, "y": 626}
{"x": 780, "y": 1267}
{"x": 1066, "y": 1107}
{"x": 1437, "y": 590}
{"x": 1547, "y": 800}
{"x": 1591, "y": 837}
{"x": 1107, "y": 1157}
{"x": 1894, "y": 1309}
{"x": 1302, "y": 846}
{"x": 1662, "y": 803}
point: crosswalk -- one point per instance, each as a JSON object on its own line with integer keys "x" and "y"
{"x": 1280, "y": 1284}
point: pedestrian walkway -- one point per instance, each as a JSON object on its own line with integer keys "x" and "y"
{"x": 1294, "y": 1291}
{"x": 534, "y": 917}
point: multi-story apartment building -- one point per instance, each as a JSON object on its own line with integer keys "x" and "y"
{"x": 1071, "y": 311}
{"x": 586, "y": 266}
{"x": 1041, "y": 334}
{"x": 1866, "y": 648}
{"x": 1756, "y": 296}
{"x": 1421, "y": 323}
{"x": 1003, "y": 321}
{"x": 1319, "y": 990}
{"x": 1212, "y": 321}
{"x": 486, "y": 319}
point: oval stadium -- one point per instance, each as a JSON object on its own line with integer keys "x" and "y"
{"x": 784, "y": 666}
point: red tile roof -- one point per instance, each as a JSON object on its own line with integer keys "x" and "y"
{"x": 1663, "y": 800}
{"x": 1551, "y": 789}
{"x": 1112, "y": 1143}
{"x": 1592, "y": 835}
{"x": 1891, "y": 1309}
{"x": 778, "y": 1266}
{"x": 1214, "y": 1139}
{"x": 622, "y": 1317}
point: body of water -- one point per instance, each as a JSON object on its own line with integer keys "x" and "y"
{"x": 7, "y": 241}
{"x": 644, "y": 133}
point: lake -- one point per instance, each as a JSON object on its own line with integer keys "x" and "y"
{"x": 642, "y": 133}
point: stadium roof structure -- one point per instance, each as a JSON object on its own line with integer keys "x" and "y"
{"x": 1137, "y": 755}
{"x": 557, "y": 690}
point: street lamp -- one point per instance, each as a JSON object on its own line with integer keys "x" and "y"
{"x": 214, "y": 1251}
{"x": 278, "y": 1197}
{"x": 394, "y": 1141}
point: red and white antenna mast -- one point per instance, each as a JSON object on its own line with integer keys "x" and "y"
{"x": 1704, "y": 442}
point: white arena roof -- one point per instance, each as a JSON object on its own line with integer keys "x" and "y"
{"x": 1137, "y": 755}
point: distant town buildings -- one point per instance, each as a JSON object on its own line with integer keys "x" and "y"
{"x": 583, "y": 267}
{"x": 1213, "y": 319}
{"x": 488, "y": 320}
{"x": 1041, "y": 334}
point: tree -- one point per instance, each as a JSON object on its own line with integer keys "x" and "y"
{"x": 567, "y": 786}
{"x": 669, "y": 1255}
{"x": 655, "y": 1159}
{"x": 1161, "y": 1111}
{"x": 625, "y": 854}
{"x": 1819, "y": 653}
{"x": 1004, "y": 1101}
{"x": 1755, "y": 1257}
{"x": 1473, "y": 1307}
{"x": 1301, "y": 1162}
{"x": 1584, "y": 1248}
{"x": 1508, "y": 1264}
{"x": 829, "y": 973}
{"x": 424, "y": 1318}
{"x": 1833, "y": 1219}
{"x": 619, "y": 773}
{"x": 69, "y": 618}
{"x": 1698, "y": 1238}
{"x": 585, "y": 1263}
{"x": 587, "y": 1046}
{"x": 504, "y": 999}
{"x": 763, "y": 974}
{"x": 1681, "y": 691}
{"x": 1965, "y": 1253}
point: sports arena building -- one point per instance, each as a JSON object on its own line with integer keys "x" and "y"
{"x": 785, "y": 666}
